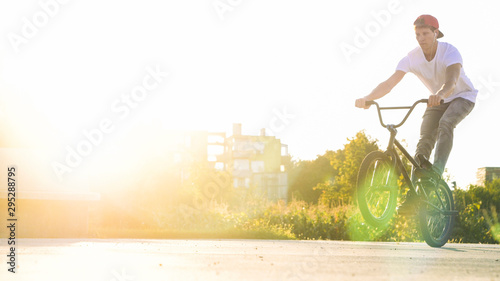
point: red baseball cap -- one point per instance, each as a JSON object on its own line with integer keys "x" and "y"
{"x": 428, "y": 20}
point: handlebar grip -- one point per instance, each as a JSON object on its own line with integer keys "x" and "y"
{"x": 370, "y": 102}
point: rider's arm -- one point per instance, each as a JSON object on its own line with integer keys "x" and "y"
{"x": 382, "y": 89}
{"x": 451, "y": 76}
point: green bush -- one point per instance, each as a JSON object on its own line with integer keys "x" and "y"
{"x": 312, "y": 221}
{"x": 253, "y": 217}
{"x": 476, "y": 205}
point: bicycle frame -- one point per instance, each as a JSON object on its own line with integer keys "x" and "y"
{"x": 394, "y": 143}
{"x": 377, "y": 187}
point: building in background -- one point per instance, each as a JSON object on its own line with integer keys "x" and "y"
{"x": 487, "y": 174}
{"x": 254, "y": 162}
{"x": 257, "y": 162}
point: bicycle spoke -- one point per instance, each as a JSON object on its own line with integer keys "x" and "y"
{"x": 440, "y": 200}
{"x": 437, "y": 221}
{"x": 377, "y": 194}
{"x": 432, "y": 227}
{"x": 373, "y": 173}
{"x": 434, "y": 207}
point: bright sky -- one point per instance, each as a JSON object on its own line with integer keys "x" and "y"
{"x": 275, "y": 64}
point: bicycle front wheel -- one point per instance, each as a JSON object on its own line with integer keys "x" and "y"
{"x": 377, "y": 189}
{"x": 437, "y": 214}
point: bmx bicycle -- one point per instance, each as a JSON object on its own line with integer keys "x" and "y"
{"x": 378, "y": 188}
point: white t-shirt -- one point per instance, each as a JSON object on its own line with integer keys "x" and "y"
{"x": 433, "y": 73}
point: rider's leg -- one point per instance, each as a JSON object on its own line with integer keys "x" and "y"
{"x": 437, "y": 125}
{"x": 457, "y": 110}
{"x": 429, "y": 129}
{"x": 428, "y": 136}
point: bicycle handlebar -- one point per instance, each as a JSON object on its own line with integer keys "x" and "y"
{"x": 397, "y": 107}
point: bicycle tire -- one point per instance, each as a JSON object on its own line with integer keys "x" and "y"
{"x": 435, "y": 226}
{"x": 377, "y": 189}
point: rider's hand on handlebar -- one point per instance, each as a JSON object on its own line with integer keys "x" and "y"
{"x": 361, "y": 103}
{"x": 434, "y": 100}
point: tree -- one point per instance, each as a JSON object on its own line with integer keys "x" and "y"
{"x": 305, "y": 175}
{"x": 345, "y": 163}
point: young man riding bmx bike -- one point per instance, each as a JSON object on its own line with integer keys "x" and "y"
{"x": 452, "y": 97}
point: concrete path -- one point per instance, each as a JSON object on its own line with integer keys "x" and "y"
{"x": 127, "y": 260}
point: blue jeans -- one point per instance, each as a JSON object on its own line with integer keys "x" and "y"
{"x": 437, "y": 129}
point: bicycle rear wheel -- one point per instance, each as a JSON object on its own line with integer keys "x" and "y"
{"x": 437, "y": 215}
{"x": 377, "y": 189}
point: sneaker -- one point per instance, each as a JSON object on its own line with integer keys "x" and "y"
{"x": 427, "y": 171}
{"x": 423, "y": 161}
{"x": 409, "y": 206}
